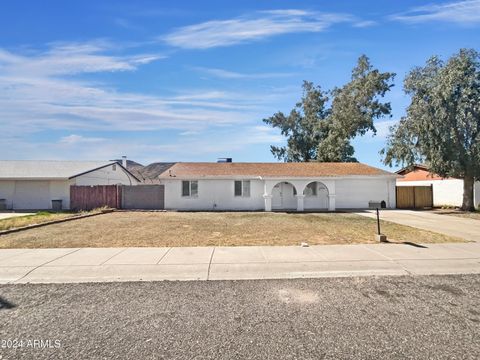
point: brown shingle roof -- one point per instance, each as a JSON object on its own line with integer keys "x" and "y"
{"x": 310, "y": 169}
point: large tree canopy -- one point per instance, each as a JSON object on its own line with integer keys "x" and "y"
{"x": 442, "y": 124}
{"x": 323, "y": 123}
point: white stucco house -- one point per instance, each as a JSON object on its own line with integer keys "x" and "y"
{"x": 276, "y": 186}
{"x": 446, "y": 191}
{"x": 26, "y": 185}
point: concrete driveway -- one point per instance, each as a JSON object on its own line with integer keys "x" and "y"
{"x": 468, "y": 229}
{"x": 11, "y": 215}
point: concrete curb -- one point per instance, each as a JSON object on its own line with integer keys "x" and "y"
{"x": 33, "y": 226}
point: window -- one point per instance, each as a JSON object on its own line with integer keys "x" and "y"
{"x": 242, "y": 188}
{"x": 114, "y": 167}
{"x": 190, "y": 188}
{"x": 311, "y": 189}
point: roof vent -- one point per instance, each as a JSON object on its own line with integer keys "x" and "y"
{"x": 224, "y": 160}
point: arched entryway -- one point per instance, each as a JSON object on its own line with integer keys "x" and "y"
{"x": 316, "y": 196}
{"x": 284, "y": 196}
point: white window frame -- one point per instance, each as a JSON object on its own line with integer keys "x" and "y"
{"x": 244, "y": 194}
{"x": 190, "y": 192}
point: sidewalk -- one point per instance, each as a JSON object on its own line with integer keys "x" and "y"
{"x": 236, "y": 263}
{"x": 8, "y": 215}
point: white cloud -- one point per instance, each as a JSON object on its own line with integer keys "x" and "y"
{"x": 69, "y": 59}
{"x": 462, "y": 12}
{"x": 226, "y": 74}
{"x": 383, "y": 128}
{"x": 79, "y": 139}
{"x": 37, "y": 92}
{"x": 250, "y": 28}
{"x": 364, "y": 23}
{"x": 196, "y": 146}
{"x": 41, "y": 93}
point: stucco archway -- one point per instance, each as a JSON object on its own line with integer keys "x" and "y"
{"x": 316, "y": 196}
{"x": 284, "y": 196}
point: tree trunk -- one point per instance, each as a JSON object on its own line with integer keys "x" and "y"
{"x": 467, "y": 204}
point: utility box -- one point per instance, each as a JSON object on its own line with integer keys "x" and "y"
{"x": 374, "y": 204}
{"x": 3, "y": 204}
{"x": 56, "y": 205}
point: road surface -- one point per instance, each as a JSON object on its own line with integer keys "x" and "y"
{"x": 416, "y": 317}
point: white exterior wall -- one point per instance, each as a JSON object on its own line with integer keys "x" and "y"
{"x": 60, "y": 190}
{"x": 218, "y": 194}
{"x": 213, "y": 195}
{"x": 106, "y": 176}
{"x": 34, "y": 194}
{"x": 447, "y": 192}
{"x": 7, "y": 189}
{"x": 38, "y": 194}
{"x": 356, "y": 193}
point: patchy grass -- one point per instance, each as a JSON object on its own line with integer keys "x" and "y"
{"x": 131, "y": 229}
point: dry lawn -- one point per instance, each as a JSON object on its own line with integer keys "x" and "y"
{"x": 132, "y": 229}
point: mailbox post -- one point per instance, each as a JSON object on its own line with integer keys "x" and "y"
{"x": 378, "y": 236}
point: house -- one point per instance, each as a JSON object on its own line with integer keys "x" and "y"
{"x": 276, "y": 186}
{"x": 446, "y": 191}
{"x": 34, "y": 184}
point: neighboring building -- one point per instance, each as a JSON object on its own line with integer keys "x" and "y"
{"x": 26, "y": 185}
{"x": 276, "y": 186}
{"x": 446, "y": 191}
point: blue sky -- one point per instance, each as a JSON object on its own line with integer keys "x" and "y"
{"x": 192, "y": 80}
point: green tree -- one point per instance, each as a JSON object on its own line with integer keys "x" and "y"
{"x": 323, "y": 123}
{"x": 442, "y": 124}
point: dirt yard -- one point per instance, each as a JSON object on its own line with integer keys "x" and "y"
{"x": 132, "y": 229}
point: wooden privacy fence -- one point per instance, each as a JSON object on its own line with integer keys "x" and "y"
{"x": 147, "y": 197}
{"x": 414, "y": 197}
{"x": 92, "y": 197}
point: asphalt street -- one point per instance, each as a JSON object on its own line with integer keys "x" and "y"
{"x": 419, "y": 317}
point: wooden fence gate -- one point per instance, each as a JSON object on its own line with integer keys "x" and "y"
{"x": 92, "y": 197}
{"x": 414, "y": 197}
{"x": 147, "y": 197}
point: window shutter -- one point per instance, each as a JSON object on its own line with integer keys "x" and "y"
{"x": 194, "y": 188}
{"x": 185, "y": 188}
{"x": 238, "y": 188}
{"x": 246, "y": 188}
